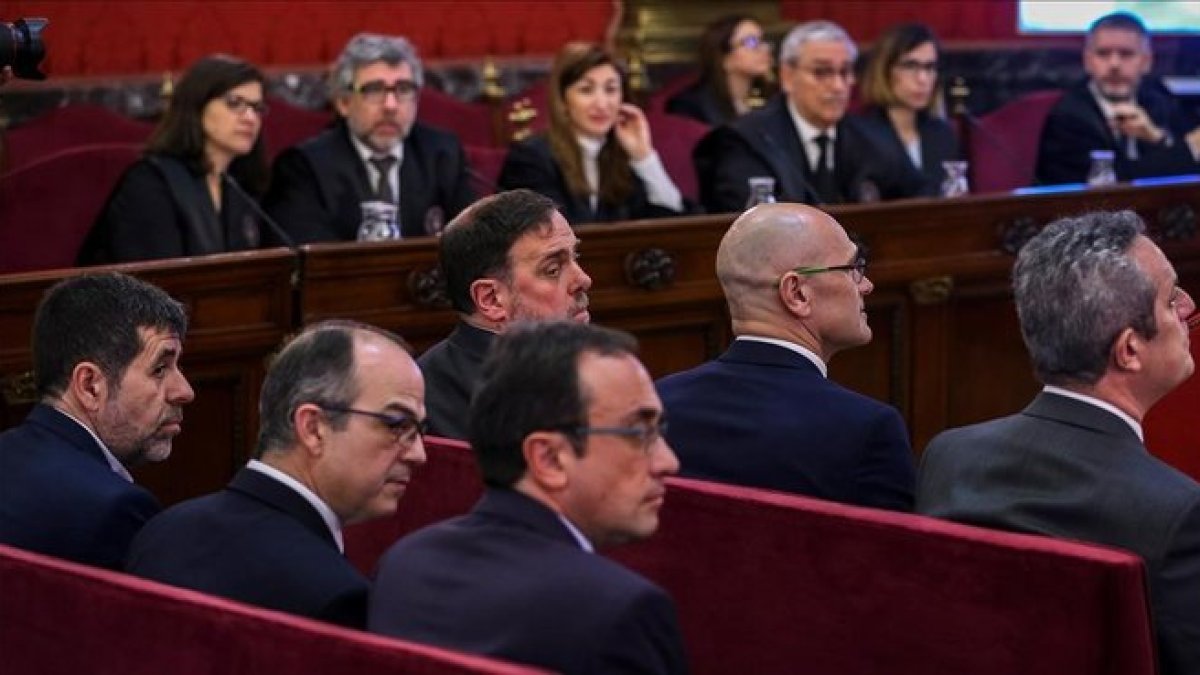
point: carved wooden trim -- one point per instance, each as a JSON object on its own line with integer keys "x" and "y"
{"x": 650, "y": 269}
{"x": 1017, "y": 232}
{"x": 428, "y": 288}
{"x": 931, "y": 290}
{"x": 18, "y": 388}
{"x": 1176, "y": 222}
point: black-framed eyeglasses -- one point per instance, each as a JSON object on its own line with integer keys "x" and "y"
{"x": 752, "y": 42}
{"x": 645, "y": 435}
{"x": 857, "y": 269}
{"x": 238, "y": 105}
{"x": 376, "y": 91}
{"x": 915, "y": 66}
{"x": 405, "y": 428}
{"x": 827, "y": 74}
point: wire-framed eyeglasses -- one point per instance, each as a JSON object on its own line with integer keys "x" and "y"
{"x": 405, "y": 428}
{"x": 644, "y": 435}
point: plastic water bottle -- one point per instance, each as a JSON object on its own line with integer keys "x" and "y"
{"x": 762, "y": 191}
{"x": 1102, "y": 171}
{"x": 955, "y": 184}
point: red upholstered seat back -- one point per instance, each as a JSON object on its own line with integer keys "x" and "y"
{"x": 486, "y": 163}
{"x": 1003, "y": 149}
{"x": 1172, "y": 432}
{"x": 60, "y": 617}
{"x": 47, "y": 207}
{"x": 674, "y": 138}
{"x": 471, "y": 122}
{"x": 287, "y": 125}
{"x": 70, "y": 127}
{"x": 772, "y": 583}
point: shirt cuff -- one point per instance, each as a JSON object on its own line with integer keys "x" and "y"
{"x": 660, "y": 189}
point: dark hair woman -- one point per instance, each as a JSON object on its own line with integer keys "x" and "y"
{"x": 735, "y": 59}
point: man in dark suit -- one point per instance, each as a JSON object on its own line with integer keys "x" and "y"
{"x": 510, "y": 256}
{"x": 106, "y": 361}
{"x": 765, "y": 413}
{"x": 801, "y": 138}
{"x": 1118, "y": 108}
{"x": 341, "y": 415}
{"x": 567, "y": 431}
{"x": 377, "y": 151}
{"x": 1105, "y": 325}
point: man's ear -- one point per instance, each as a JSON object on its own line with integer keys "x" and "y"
{"x": 1127, "y": 351}
{"x": 491, "y": 299}
{"x": 89, "y": 386}
{"x": 312, "y": 428}
{"x": 795, "y": 294}
{"x": 546, "y": 460}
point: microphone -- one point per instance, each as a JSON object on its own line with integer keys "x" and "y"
{"x": 997, "y": 144}
{"x": 275, "y": 228}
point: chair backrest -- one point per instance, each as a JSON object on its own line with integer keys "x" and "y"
{"x": 674, "y": 138}
{"x": 1003, "y": 144}
{"x": 71, "y": 126}
{"x": 486, "y": 163}
{"x": 47, "y": 207}
{"x": 288, "y": 124}
{"x": 1171, "y": 430}
{"x": 471, "y": 122}
{"x": 60, "y": 617}
{"x": 447, "y": 485}
{"x": 773, "y": 583}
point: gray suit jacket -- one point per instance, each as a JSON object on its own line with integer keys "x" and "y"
{"x": 1068, "y": 469}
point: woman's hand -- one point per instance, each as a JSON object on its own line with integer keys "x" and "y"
{"x": 633, "y": 132}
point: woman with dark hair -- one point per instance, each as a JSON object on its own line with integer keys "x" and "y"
{"x": 178, "y": 199}
{"x": 735, "y": 59}
{"x": 903, "y": 106}
{"x": 596, "y": 161}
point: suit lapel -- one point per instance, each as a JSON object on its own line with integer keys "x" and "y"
{"x": 413, "y": 188}
{"x": 783, "y": 151}
{"x": 263, "y": 488}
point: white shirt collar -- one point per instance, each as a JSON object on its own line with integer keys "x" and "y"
{"x": 799, "y": 349}
{"x": 591, "y": 147}
{"x": 1103, "y": 405}
{"x": 113, "y": 463}
{"x": 366, "y": 153}
{"x": 808, "y": 132}
{"x": 579, "y": 537}
{"x": 327, "y": 514}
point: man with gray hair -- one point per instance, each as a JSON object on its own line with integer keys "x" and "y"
{"x": 802, "y": 138}
{"x": 1104, "y": 320}
{"x": 341, "y": 419}
{"x": 377, "y": 151}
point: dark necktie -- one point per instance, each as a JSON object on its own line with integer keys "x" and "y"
{"x": 823, "y": 177}
{"x": 383, "y": 187}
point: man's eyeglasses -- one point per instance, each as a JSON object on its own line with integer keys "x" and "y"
{"x": 913, "y": 66}
{"x": 239, "y": 105}
{"x": 857, "y": 269}
{"x": 827, "y": 74}
{"x": 376, "y": 91}
{"x": 644, "y": 435}
{"x": 404, "y": 427}
{"x": 752, "y": 42}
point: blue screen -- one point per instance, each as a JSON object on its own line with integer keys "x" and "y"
{"x": 1074, "y": 16}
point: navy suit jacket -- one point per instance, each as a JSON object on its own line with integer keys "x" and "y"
{"x": 318, "y": 186}
{"x": 1076, "y": 126}
{"x": 938, "y": 144}
{"x": 259, "y": 542}
{"x": 762, "y": 415}
{"x": 1069, "y": 469}
{"x": 508, "y": 581}
{"x": 765, "y": 143}
{"x": 452, "y": 368}
{"x": 59, "y": 496}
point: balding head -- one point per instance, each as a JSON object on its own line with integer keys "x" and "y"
{"x": 755, "y": 266}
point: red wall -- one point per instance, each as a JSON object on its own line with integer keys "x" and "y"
{"x": 951, "y": 19}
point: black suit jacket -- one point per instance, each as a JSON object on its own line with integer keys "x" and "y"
{"x": 530, "y": 164}
{"x": 938, "y": 144}
{"x": 452, "y": 369}
{"x": 765, "y": 143}
{"x": 146, "y": 218}
{"x": 317, "y": 187}
{"x": 762, "y": 415}
{"x": 1068, "y": 469}
{"x": 508, "y": 580}
{"x": 700, "y": 103}
{"x": 1076, "y": 126}
{"x": 259, "y": 542}
{"x": 59, "y": 496}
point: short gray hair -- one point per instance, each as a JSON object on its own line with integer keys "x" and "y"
{"x": 367, "y": 48}
{"x": 1077, "y": 287}
{"x": 814, "y": 31}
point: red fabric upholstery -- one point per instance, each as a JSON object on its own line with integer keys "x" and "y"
{"x": 447, "y": 485}
{"x": 471, "y": 122}
{"x": 773, "y": 583}
{"x": 69, "y": 127}
{"x": 1003, "y": 149}
{"x": 674, "y": 138}
{"x": 48, "y": 207}
{"x": 1172, "y": 433}
{"x": 486, "y": 163}
{"x": 60, "y": 617}
{"x": 286, "y": 125}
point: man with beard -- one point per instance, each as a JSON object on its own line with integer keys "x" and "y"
{"x": 377, "y": 151}
{"x": 1119, "y": 109}
{"x": 508, "y": 257}
{"x": 106, "y": 353}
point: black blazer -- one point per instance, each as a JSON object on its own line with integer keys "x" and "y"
{"x": 452, "y": 369}
{"x": 765, "y": 143}
{"x": 762, "y": 415}
{"x": 317, "y": 187}
{"x": 938, "y": 144}
{"x": 530, "y": 164}
{"x": 508, "y": 581}
{"x": 1065, "y": 468}
{"x": 1076, "y": 126}
{"x": 59, "y": 496}
{"x": 161, "y": 209}
{"x": 700, "y": 103}
{"x": 259, "y": 542}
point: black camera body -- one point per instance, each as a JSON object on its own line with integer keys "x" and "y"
{"x": 21, "y": 47}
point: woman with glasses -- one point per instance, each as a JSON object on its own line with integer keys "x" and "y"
{"x": 735, "y": 64}
{"x": 597, "y": 160}
{"x": 183, "y": 197}
{"x": 904, "y": 109}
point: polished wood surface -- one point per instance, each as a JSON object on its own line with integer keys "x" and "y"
{"x": 946, "y": 350}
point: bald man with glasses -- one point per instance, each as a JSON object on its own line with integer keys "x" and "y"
{"x": 765, "y": 413}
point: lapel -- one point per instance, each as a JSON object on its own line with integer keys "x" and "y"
{"x": 780, "y": 145}
{"x": 266, "y": 490}
{"x": 1095, "y": 119}
{"x": 414, "y": 188}
{"x": 64, "y": 427}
